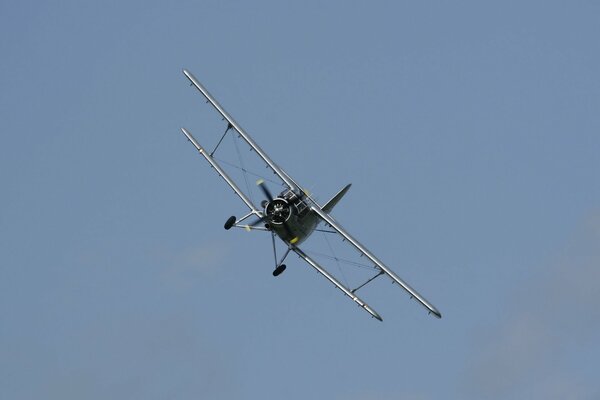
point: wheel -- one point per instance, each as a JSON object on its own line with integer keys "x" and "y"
{"x": 279, "y": 270}
{"x": 229, "y": 223}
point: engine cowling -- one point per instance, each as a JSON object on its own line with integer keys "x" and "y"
{"x": 278, "y": 211}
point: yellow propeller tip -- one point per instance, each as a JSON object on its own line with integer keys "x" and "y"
{"x": 247, "y": 227}
{"x": 294, "y": 240}
{"x": 260, "y": 181}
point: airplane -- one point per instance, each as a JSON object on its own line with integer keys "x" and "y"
{"x": 293, "y": 215}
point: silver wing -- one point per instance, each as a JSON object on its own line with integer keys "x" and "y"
{"x": 270, "y": 163}
{"x": 337, "y": 284}
{"x": 363, "y": 250}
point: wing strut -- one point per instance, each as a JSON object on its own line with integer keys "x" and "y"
{"x": 220, "y": 140}
{"x": 368, "y": 281}
{"x": 343, "y": 288}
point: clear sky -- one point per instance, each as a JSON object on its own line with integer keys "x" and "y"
{"x": 471, "y": 134}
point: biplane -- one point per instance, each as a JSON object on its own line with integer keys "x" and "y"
{"x": 293, "y": 215}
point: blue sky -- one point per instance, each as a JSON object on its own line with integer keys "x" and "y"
{"x": 470, "y": 132}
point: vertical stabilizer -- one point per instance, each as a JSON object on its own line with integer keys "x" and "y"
{"x": 335, "y": 199}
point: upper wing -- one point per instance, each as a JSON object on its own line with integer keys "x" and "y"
{"x": 338, "y": 228}
{"x": 270, "y": 163}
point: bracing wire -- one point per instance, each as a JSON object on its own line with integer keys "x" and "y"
{"x": 246, "y": 171}
{"x": 237, "y": 149}
{"x": 337, "y": 260}
{"x": 342, "y": 260}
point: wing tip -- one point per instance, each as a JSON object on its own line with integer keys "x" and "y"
{"x": 373, "y": 313}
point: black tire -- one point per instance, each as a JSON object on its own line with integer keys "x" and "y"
{"x": 279, "y": 270}
{"x": 229, "y": 223}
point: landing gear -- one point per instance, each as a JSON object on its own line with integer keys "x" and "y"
{"x": 229, "y": 223}
{"x": 279, "y": 266}
{"x": 279, "y": 270}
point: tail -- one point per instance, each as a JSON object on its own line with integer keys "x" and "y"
{"x": 335, "y": 199}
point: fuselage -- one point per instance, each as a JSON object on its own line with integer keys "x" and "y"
{"x": 290, "y": 217}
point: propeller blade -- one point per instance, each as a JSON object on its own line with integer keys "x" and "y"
{"x": 258, "y": 221}
{"x": 265, "y": 190}
{"x": 269, "y": 196}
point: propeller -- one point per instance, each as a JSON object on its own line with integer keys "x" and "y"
{"x": 277, "y": 210}
{"x": 265, "y": 190}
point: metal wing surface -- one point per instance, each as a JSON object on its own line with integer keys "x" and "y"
{"x": 363, "y": 250}
{"x": 234, "y": 125}
{"x": 350, "y": 293}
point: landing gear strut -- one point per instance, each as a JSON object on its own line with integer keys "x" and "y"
{"x": 279, "y": 267}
